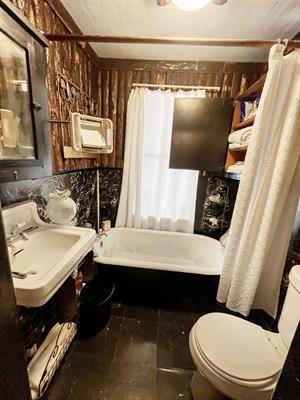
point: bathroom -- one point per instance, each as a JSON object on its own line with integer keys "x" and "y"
{"x": 194, "y": 120}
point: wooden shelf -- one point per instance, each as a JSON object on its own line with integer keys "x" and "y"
{"x": 232, "y": 175}
{"x": 252, "y": 91}
{"x": 238, "y": 154}
{"x": 244, "y": 124}
{"x": 242, "y": 148}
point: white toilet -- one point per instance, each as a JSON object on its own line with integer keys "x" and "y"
{"x": 239, "y": 360}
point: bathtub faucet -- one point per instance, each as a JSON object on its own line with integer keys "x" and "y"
{"x": 101, "y": 233}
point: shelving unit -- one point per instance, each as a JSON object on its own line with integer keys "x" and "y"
{"x": 238, "y": 154}
{"x": 252, "y": 91}
{"x": 243, "y": 124}
{"x": 232, "y": 175}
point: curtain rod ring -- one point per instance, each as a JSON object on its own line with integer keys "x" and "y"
{"x": 284, "y": 42}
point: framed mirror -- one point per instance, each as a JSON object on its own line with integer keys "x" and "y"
{"x": 25, "y": 141}
{"x": 17, "y": 140}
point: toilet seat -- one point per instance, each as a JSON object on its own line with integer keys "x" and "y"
{"x": 237, "y": 350}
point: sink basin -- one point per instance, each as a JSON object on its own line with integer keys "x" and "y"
{"x": 48, "y": 257}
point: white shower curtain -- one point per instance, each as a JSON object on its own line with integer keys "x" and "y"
{"x": 154, "y": 196}
{"x": 268, "y": 194}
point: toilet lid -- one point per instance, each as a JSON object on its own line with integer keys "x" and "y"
{"x": 238, "y": 348}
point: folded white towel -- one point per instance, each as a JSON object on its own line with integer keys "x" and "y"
{"x": 236, "y": 168}
{"x": 237, "y": 146}
{"x": 9, "y": 129}
{"x": 47, "y": 359}
{"x": 241, "y": 136}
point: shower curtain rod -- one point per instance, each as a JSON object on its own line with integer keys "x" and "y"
{"x": 151, "y": 85}
{"x": 192, "y": 41}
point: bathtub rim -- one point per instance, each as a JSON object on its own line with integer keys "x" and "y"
{"x": 116, "y": 261}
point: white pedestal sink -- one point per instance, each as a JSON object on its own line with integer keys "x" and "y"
{"x": 45, "y": 253}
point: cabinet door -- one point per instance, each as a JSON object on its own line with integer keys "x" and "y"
{"x": 25, "y": 143}
{"x": 200, "y": 133}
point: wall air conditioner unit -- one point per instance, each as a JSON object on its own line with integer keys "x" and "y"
{"x": 90, "y": 136}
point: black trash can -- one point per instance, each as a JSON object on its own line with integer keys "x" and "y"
{"x": 95, "y": 306}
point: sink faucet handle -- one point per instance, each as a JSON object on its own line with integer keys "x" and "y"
{"x": 15, "y": 228}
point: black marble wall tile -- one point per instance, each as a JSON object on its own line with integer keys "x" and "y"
{"x": 110, "y": 180}
{"x": 217, "y": 206}
{"x": 82, "y": 184}
{"x": 207, "y": 209}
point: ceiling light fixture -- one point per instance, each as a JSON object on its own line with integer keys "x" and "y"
{"x": 190, "y": 5}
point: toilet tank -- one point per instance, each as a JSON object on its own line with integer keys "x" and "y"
{"x": 290, "y": 315}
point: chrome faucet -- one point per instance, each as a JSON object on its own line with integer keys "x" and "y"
{"x": 15, "y": 231}
{"x": 24, "y": 236}
{"x": 15, "y": 228}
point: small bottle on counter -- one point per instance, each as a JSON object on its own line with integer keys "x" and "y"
{"x": 106, "y": 225}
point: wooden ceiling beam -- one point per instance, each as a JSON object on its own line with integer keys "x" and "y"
{"x": 291, "y": 44}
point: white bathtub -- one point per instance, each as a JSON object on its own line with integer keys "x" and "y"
{"x": 170, "y": 251}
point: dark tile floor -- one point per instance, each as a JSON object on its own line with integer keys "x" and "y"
{"x": 143, "y": 353}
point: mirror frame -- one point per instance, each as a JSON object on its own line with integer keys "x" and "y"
{"x": 17, "y": 28}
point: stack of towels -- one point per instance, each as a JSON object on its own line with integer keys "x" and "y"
{"x": 236, "y": 168}
{"x": 240, "y": 138}
{"x": 48, "y": 357}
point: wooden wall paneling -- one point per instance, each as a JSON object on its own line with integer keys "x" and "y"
{"x": 231, "y": 77}
{"x": 78, "y": 64}
{"x": 184, "y": 66}
{"x": 225, "y": 84}
{"x": 191, "y": 80}
{"x": 61, "y": 13}
{"x": 165, "y": 78}
{"x": 217, "y": 82}
{"x": 235, "y": 86}
{"x": 209, "y": 82}
{"x": 114, "y": 94}
{"x": 105, "y": 78}
{"x": 184, "y": 77}
{"x": 152, "y": 77}
{"x": 121, "y": 103}
{"x": 137, "y": 77}
{"x": 160, "y": 77}
{"x": 173, "y": 77}
{"x": 200, "y": 79}
{"x": 243, "y": 84}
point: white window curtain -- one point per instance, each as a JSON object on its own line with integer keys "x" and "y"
{"x": 154, "y": 196}
{"x": 268, "y": 194}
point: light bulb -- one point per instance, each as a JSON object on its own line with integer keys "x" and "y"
{"x": 190, "y": 5}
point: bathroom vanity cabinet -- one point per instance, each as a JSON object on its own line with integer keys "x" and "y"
{"x": 25, "y": 140}
{"x": 66, "y": 297}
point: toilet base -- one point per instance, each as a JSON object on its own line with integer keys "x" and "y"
{"x": 202, "y": 389}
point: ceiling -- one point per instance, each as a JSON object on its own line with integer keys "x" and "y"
{"x": 243, "y": 19}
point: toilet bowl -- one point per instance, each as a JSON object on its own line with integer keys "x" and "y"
{"x": 239, "y": 360}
